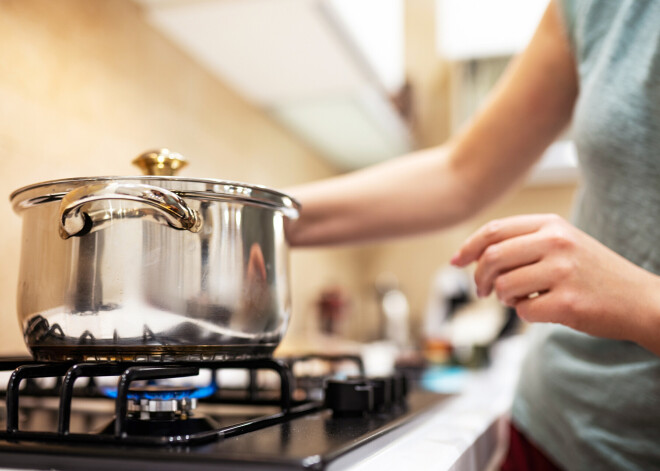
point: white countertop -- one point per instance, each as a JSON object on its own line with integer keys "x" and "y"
{"x": 465, "y": 433}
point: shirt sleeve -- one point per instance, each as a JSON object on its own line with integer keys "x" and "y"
{"x": 567, "y": 10}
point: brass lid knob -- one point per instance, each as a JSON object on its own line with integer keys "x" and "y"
{"x": 161, "y": 162}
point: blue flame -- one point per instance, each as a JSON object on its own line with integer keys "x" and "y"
{"x": 192, "y": 393}
{"x": 206, "y": 391}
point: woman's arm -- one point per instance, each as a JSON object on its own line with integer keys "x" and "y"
{"x": 435, "y": 188}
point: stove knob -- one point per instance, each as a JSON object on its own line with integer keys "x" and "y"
{"x": 349, "y": 396}
{"x": 399, "y": 388}
{"x": 382, "y": 392}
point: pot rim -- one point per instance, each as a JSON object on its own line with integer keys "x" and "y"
{"x": 195, "y": 188}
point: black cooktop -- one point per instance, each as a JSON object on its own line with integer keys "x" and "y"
{"x": 314, "y": 437}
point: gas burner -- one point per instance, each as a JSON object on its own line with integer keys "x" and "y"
{"x": 146, "y": 411}
{"x": 152, "y": 402}
{"x": 248, "y": 425}
{"x": 158, "y": 401}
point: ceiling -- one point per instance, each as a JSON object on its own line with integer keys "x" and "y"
{"x": 323, "y": 68}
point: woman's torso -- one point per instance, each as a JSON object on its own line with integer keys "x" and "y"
{"x": 594, "y": 403}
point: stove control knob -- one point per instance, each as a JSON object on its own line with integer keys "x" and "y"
{"x": 399, "y": 388}
{"x": 382, "y": 392}
{"x": 349, "y": 396}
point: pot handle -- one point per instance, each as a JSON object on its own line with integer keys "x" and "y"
{"x": 161, "y": 205}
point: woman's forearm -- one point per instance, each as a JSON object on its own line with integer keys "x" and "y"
{"x": 435, "y": 188}
{"x": 407, "y": 195}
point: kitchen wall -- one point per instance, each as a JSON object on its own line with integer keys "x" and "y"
{"x": 87, "y": 85}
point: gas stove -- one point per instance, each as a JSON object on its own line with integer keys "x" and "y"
{"x": 193, "y": 415}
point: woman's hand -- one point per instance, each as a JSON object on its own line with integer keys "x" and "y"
{"x": 552, "y": 272}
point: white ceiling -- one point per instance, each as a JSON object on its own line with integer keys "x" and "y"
{"x": 376, "y": 28}
{"x": 315, "y": 65}
{"x": 272, "y": 51}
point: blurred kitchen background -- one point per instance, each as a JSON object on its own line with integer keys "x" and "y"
{"x": 272, "y": 92}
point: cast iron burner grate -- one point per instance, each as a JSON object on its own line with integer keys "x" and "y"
{"x": 123, "y": 429}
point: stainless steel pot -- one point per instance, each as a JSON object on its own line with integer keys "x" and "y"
{"x": 156, "y": 268}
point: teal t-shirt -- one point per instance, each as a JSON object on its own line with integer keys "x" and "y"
{"x": 593, "y": 403}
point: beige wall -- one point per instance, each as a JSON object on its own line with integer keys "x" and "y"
{"x": 87, "y": 85}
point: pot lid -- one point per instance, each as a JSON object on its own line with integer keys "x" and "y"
{"x": 161, "y": 166}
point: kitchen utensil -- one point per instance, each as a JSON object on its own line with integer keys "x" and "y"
{"x": 157, "y": 268}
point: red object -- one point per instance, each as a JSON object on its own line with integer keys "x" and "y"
{"x": 332, "y": 306}
{"x": 524, "y": 456}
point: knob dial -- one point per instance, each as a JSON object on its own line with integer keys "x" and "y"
{"x": 399, "y": 388}
{"x": 349, "y": 396}
{"x": 382, "y": 392}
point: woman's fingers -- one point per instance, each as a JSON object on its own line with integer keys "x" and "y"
{"x": 505, "y": 256}
{"x": 525, "y": 283}
{"x": 497, "y": 231}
